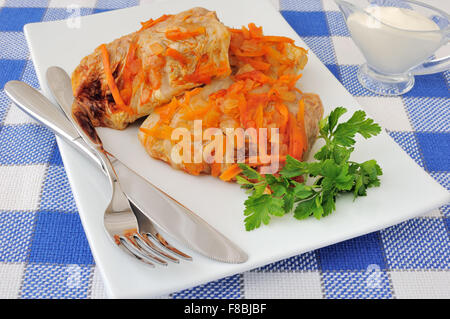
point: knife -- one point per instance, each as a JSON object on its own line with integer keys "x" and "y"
{"x": 169, "y": 215}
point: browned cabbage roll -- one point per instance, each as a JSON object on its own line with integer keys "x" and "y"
{"x": 127, "y": 78}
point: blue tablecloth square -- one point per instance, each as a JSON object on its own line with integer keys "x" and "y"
{"x": 13, "y": 46}
{"x": 25, "y": 144}
{"x": 429, "y": 114}
{"x": 56, "y": 281}
{"x": 435, "y": 148}
{"x": 370, "y": 284}
{"x": 431, "y": 85}
{"x": 56, "y": 159}
{"x": 307, "y": 24}
{"x": 59, "y": 238}
{"x": 29, "y": 75}
{"x": 10, "y": 69}
{"x": 321, "y": 47}
{"x": 349, "y": 78}
{"x": 353, "y": 254}
{"x": 336, "y": 24}
{"x": 13, "y": 19}
{"x": 15, "y": 235}
{"x": 417, "y": 244}
{"x": 56, "y": 192}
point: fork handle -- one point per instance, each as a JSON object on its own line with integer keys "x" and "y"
{"x": 36, "y": 105}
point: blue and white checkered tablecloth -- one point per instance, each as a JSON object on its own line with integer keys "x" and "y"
{"x": 410, "y": 260}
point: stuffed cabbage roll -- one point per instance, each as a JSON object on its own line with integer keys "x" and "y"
{"x": 261, "y": 93}
{"x": 127, "y": 78}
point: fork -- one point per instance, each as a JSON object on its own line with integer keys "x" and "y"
{"x": 135, "y": 235}
{"x": 125, "y": 223}
{"x": 127, "y": 231}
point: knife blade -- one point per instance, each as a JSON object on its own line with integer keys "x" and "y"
{"x": 171, "y": 217}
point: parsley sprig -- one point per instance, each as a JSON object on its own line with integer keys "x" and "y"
{"x": 332, "y": 174}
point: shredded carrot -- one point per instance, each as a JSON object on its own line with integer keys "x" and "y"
{"x": 189, "y": 94}
{"x": 230, "y": 173}
{"x": 212, "y": 118}
{"x": 249, "y": 53}
{"x": 177, "y": 34}
{"x": 272, "y": 38}
{"x": 246, "y": 33}
{"x": 176, "y": 56}
{"x": 257, "y": 76}
{"x": 132, "y": 67}
{"x": 301, "y": 123}
{"x": 215, "y": 169}
{"x": 234, "y": 170}
{"x": 204, "y": 71}
{"x": 160, "y": 132}
{"x": 284, "y": 112}
{"x": 296, "y": 142}
{"x": 187, "y": 17}
{"x": 151, "y": 22}
{"x": 197, "y": 113}
{"x": 301, "y": 110}
{"x": 156, "y": 48}
{"x": 167, "y": 111}
{"x": 258, "y": 65}
{"x": 193, "y": 168}
{"x": 235, "y": 30}
{"x": 255, "y": 32}
{"x": 257, "y": 161}
{"x": 111, "y": 82}
{"x": 259, "y": 115}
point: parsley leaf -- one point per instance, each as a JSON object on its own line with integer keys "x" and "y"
{"x": 333, "y": 174}
{"x": 259, "y": 208}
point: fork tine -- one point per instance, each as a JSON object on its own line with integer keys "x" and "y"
{"x": 160, "y": 239}
{"x": 156, "y": 249}
{"x": 131, "y": 249}
{"x": 142, "y": 245}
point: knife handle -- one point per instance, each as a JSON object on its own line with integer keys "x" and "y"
{"x": 36, "y": 105}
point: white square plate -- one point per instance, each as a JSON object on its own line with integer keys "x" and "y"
{"x": 406, "y": 190}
